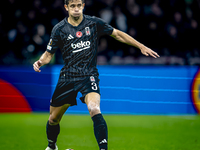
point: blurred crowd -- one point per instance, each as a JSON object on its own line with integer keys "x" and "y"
{"x": 169, "y": 27}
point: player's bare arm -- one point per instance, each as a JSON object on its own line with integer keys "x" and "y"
{"x": 44, "y": 59}
{"x": 125, "y": 38}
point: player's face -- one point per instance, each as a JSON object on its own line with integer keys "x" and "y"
{"x": 75, "y": 8}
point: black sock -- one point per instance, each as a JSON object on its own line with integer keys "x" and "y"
{"x": 100, "y": 131}
{"x": 52, "y": 134}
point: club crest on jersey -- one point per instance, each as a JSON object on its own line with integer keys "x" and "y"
{"x": 79, "y": 34}
{"x": 87, "y": 31}
{"x": 92, "y": 79}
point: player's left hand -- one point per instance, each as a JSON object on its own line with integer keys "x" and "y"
{"x": 147, "y": 51}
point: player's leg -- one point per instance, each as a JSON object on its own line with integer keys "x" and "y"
{"x": 100, "y": 127}
{"x": 53, "y": 127}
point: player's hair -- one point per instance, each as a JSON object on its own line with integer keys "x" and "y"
{"x": 67, "y": 1}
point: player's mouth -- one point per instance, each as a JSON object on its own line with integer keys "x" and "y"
{"x": 76, "y": 14}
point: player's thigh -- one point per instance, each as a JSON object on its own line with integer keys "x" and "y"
{"x": 56, "y": 113}
{"x": 93, "y": 103}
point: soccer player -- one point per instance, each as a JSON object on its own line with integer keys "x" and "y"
{"x": 77, "y": 37}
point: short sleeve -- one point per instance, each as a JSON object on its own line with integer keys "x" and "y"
{"x": 54, "y": 42}
{"x": 103, "y": 27}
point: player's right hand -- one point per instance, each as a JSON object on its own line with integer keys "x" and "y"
{"x": 37, "y": 65}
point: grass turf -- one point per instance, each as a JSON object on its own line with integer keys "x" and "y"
{"x": 27, "y": 132}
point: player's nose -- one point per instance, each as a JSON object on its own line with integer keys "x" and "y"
{"x": 76, "y": 9}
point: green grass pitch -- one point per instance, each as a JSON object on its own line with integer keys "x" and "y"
{"x": 126, "y": 132}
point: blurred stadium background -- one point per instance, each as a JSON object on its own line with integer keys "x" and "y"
{"x": 169, "y": 27}
{"x": 144, "y": 85}
{"x": 130, "y": 82}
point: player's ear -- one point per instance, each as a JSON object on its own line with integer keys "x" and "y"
{"x": 83, "y": 5}
{"x": 66, "y": 7}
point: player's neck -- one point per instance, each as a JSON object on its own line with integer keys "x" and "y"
{"x": 75, "y": 21}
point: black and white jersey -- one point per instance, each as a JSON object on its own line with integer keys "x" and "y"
{"x": 78, "y": 45}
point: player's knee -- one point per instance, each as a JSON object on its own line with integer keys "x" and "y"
{"x": 53, "y": 120}
{"x": 94, "y": 110}
{"x": 93, "y": 103}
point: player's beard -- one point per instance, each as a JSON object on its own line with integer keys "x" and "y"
{"x": 76, "y": 18}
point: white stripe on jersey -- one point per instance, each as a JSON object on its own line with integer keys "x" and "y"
{"x": 81, "y": 49}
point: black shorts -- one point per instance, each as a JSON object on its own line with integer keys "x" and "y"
{"x": 66, "y": 91}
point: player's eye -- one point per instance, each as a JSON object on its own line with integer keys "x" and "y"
{"x": 79, "y": 5}
{"x": 72, "y": 6}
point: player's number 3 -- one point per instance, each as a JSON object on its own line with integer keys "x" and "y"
{"x": 94, "y": 86}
